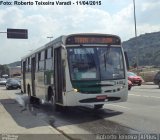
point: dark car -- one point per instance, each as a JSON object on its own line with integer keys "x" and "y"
{"x": 157, "y": 79}
{"x": 135, "y": 79}
{"x": 13, "y": 84}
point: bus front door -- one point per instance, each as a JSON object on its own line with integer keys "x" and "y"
{"x": 58, "y": 75}
{"x": 33, "y": 67}
{"x": 24, "y": 76}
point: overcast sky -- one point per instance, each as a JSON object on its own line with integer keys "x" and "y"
{"x": 111, "y": 17}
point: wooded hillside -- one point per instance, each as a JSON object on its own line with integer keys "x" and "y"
{"x": 146, "y": 47}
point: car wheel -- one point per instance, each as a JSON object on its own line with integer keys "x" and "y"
{"x": 129, "y": 88}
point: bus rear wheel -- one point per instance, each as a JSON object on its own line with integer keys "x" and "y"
{"x": 99, "y": 106}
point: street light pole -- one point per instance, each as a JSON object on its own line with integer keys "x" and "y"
{"x": 135, "y": 18}
{"x": 50, "y": 37}
{"x": 135, "y": 27}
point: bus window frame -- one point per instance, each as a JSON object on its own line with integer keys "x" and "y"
{"x": 41, "y": 60}
{"x": 91, "y": 46}
{"x": 48, "y": 57}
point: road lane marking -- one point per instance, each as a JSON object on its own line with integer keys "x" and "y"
{"x": 134, "y": 95}
{"x": 144, "y": 96}
{"x": 119, "y": 106}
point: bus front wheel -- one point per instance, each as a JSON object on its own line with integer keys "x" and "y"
{"x": 99, "y": 106}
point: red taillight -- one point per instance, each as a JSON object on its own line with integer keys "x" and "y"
{"x": 101, "y": 97}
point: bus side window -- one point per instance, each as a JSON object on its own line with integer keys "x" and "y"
{"x": 37, "y": 60}
{"x": 46, "y": 54}
{"x": 41, "y": 60}
{"x": 49, "y": 59}
{"x": 45, "y": 58}
{"x": 26, "y": 65}
{"x": 52, "y": 52}
{"x": 29, "y": 64}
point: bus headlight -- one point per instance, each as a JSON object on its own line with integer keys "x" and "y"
{"x": 75, "y": 90}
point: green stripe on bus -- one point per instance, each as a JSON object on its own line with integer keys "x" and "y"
{"x": 87, "y": 86}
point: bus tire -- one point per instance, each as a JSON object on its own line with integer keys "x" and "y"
{"x": 99, "y": 106}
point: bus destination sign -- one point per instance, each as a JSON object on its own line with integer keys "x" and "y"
{"x": 92, "y": 40}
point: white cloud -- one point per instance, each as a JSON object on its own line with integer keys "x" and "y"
{"x": 43, "y": 21}
{"x": 11, "y": 16}
{"x": 150, "y": 5}
{"x": 149, "y": 28}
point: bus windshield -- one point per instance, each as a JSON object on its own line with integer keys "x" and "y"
{"x": 96, "y": 63}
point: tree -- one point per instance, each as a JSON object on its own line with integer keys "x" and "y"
{"x": 4, "y": 70}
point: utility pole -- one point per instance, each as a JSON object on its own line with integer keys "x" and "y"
{"x": 135, "y": 18}
{"x": 135, "y": 27}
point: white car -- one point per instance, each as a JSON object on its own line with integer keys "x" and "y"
{"x": 2, "y": 81}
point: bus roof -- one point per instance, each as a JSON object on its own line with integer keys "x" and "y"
{"x": 57, "y": 41}
{"x": 62, "y": 40}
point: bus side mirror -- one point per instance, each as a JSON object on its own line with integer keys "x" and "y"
{"x": 126, "y": 59}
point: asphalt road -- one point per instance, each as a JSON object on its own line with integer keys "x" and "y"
{"x": 140, "y": 114}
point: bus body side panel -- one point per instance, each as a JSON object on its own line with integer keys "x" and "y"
{"x": 39, "y": 85}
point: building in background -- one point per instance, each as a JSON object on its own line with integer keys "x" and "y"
{"x": 15, "y": 71}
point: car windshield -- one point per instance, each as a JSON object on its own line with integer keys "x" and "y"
{"x": 12, "y": 80}
{"x": 98, "y": 63}
{"x": 131, "y": 74}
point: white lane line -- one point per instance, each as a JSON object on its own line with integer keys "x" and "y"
{"x": 145, "y": 96}
{"x": 119, "y": 106}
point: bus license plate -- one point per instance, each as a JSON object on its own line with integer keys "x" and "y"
{"x": 101, "y": 97}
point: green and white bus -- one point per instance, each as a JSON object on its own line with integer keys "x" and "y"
{"x": 77, "y": 70}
